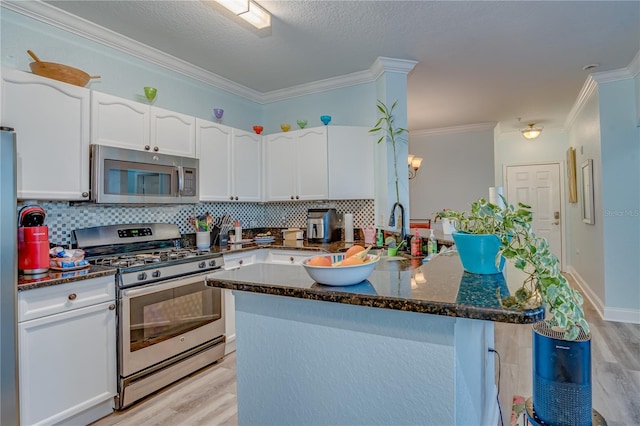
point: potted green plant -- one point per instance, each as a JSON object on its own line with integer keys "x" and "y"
{"x": 561, "y": 344}
{"x": 510, "y": 230}
{"x": 385, "y": 125}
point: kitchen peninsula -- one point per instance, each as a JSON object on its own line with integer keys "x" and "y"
{"x": 408, "y": 346}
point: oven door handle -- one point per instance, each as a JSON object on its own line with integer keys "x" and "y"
{"x": 163, "y": 286}
{"x": 180, "y": 180}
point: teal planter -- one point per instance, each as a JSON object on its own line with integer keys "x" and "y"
{"x": 478, "y": 252}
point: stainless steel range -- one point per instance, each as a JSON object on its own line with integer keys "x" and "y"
{"x": 170, "y": 323}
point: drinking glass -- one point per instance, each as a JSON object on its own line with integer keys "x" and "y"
{"x": 150, "y": 93}
{"x": 218, "y": 113}
{"x": 325, "y": 119}
{"x": 302, "y": 123}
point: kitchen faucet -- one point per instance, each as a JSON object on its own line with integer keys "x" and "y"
{"x": 392, "y": 219}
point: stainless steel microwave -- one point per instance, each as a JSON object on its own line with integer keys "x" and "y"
{"x": 126, "y": 176}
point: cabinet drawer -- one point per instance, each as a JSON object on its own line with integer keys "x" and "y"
{"x": 65, "y": 297}
{"x": 289, "y": 257}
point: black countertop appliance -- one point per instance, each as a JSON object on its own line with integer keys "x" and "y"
{"x": 322, "y": 226}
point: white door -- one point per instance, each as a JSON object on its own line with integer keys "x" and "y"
{"x": 538, "y": 185}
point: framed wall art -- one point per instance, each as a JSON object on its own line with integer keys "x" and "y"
{"x": 572, "y": 189}
{"x": 587, "y": 193}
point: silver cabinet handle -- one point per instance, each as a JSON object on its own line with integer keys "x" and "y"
{"x": 85, "y": 194}
{"x": 557, "y": 222}
{"x": 112, "y": 307}
{"x": 156, "y": 149}
{"x": 147, "y": 147}
{"x": 72, "y": 296}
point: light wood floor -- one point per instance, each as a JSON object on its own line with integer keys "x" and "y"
{"x": 209, "y": 397}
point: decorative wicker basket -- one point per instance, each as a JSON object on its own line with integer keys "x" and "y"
{"x": 59, "y": 72}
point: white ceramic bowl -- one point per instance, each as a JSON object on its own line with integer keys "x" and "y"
{"x": 340, "y": 275}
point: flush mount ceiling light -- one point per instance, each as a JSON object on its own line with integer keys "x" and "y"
{"x": 248, "y": 10}
{"x": 531, "y": 132}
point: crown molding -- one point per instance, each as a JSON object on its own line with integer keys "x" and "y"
{"x": 479, "y": 127}
{"x": 382, "y": 64}
{"x": 63, "y": 20}
{"x": 634, "y": 66}
{"x": 613, "y": 75}
{"x": 58, "y": 18}
{"x": 589, "y": 86}
{"x": 347, "y": 80}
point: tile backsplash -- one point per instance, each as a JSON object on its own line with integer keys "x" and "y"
{"x": 63, "y": 217}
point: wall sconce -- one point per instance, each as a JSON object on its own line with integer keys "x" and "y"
{"x": 531, "y": 132}
{"x": 414, "y": 165}
{"x": 248, "y": 10}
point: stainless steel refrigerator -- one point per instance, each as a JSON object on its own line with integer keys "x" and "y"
{"x": 9, "y": 396}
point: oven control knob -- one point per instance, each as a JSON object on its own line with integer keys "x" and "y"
{"x": 156, "y": 274}
{"x": 202, "y": 265}
{"x": 142, "y": 276}
{"x": 212, "y": 263}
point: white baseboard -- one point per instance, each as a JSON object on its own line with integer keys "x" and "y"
{"x": 587, "y": 291}
{"x": 230, "y": 344}
{"x": 606, "y": 313}
{"x": 622, "y": 315}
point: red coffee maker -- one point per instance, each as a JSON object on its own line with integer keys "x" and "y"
{"x": 33, "y": 241}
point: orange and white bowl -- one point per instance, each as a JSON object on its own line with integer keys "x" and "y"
{"x": 340, "y": 275}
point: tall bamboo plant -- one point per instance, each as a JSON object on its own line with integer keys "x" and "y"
{"x": 385, "y": 124}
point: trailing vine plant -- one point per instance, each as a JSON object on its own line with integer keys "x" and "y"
{"x": 544, "y": 282}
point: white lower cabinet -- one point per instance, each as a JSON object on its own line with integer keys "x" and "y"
{"x": 232, "y": 261}
{"x": 289, "y": 257}
{"x": 67, "y": 352}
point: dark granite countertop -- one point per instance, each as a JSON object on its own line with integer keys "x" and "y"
{"x": 438, "y": 287}
{"x": 52, "y": 277}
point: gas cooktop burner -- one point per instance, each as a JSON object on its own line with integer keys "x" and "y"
{"x": 156, "y": 257}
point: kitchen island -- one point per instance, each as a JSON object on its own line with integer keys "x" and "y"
{"x": 408, "y": 346}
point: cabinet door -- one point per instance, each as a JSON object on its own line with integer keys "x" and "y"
{"x": 247, "y": 166}
{"x": 213, "y": 148}
{"x": 351, "y": 162}
{"x": 67, "y": 363}
{"x": 173, "y": 133}
{"x": 51, "y": 120}
{"x": 311, "y": 164}
{"x": 119, "y": 122}
{"x": 281, "y": 167}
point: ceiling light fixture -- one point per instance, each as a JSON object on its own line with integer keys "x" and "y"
{"x": 531, "y": 132}
{"x": 414, "y": 165}
{"x": 248, "y": 10}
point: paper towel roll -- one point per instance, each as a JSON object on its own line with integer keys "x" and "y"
{"x": 348, "y": 227}
{"x": 494, "y": 195}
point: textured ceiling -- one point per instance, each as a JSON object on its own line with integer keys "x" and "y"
{"x": 479, "y": 61}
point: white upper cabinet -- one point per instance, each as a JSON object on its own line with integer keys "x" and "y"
{"x": 128, "y": 124}
{"x": 172, "y": 133}
{"x": 51, "y": 121}
{"x": 247, "y": 166}
{"x": 296, "y": 165}
{"x": 332, "y": 162}
{"x": 351, "y": 162}
{"x": 280, "y": 170}
{"x": 230, "y": 163}
{"x": 213, "y": 149}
